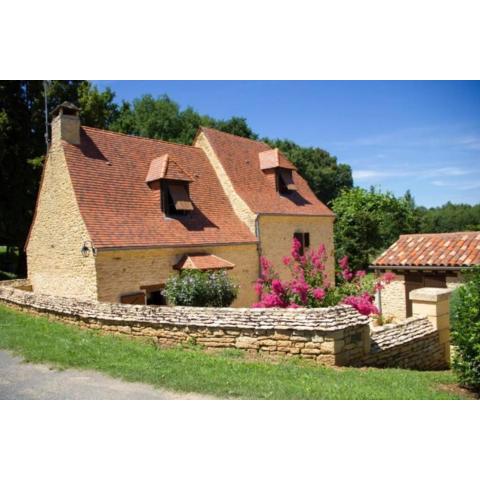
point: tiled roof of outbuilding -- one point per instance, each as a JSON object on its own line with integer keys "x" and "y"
{"x": 108, "y": 172}
{"x": 459, "y": 249}
{"x": 240, "y": 159}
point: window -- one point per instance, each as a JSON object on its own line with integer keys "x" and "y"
{"x": 285, "y": 183}
{"x": 154, "y": 294}
{"x": 304, "y": 239}
{"x": 176, "y": 198}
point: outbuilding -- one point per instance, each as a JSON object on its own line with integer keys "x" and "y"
{"x": 424, "y": 260}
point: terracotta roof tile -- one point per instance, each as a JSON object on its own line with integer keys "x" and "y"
{"x": 202, "y": 261}
{"x": 273, "y": 158}
{"x": 240, "y": 159}
{"x": 108, "y": 172}
{"x": 458, "y": 249}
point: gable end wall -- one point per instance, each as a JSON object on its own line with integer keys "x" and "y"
{"x": 55, "y": 263}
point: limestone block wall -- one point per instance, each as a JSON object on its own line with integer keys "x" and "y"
{"x": 413, "y": 343}
{"x": 55, "y": 263}
{"x": 121, "y": 272}
{"x": 454, "y": 280}
{"x": 330, "y": 336}
{"x": 241, "y": 209}
{"x": 276, "y": 235}
{"x": 393, "y": 297}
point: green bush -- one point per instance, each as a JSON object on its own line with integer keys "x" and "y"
{"x": 466, "y": 332}
{"x": 195, "y": 288}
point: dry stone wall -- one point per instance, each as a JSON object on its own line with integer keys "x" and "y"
{"x": 413, "y": 343}
{"x": 330, "y": 336}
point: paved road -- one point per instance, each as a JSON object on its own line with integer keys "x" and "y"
{"x": 25, "y": 381}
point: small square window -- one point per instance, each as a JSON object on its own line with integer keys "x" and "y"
{"x": 304, "y": 239}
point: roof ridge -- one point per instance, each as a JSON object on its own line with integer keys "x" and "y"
{"x": 233, "y": 135}
{"x": 439, "y": 233}
{"x": 140, "y": 137}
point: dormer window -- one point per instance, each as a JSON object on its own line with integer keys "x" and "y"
{"x": 274, "y": 160}
{"x": 175, "y": 198}
{"x": 285, "y": 183}
{"x": 174, "y": 184}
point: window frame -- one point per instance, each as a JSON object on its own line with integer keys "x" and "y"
{"x": 304, "y": 239}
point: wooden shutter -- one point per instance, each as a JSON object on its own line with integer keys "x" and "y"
{"x": 179, "y": 193}
{"x": 133, "y": 298}
{"x": 287, "y": 179}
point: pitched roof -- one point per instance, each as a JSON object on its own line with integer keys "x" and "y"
{"x": 202, "y": 261}
{"x": 457, "y": 249}
{"x": 240, "y": 158}
{"x": 108, "y": 172}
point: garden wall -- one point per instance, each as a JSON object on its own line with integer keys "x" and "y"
{"x": 330, "y": 336}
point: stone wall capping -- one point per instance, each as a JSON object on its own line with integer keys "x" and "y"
{"x": 429, "y": 294}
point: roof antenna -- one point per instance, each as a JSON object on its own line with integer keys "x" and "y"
{"x": 45, "y": 95}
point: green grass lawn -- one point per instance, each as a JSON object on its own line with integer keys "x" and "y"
{"x": 226, "y": 374}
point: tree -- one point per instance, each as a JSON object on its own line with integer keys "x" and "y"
{"x": 23, "y": 148}
{"x": 163, "y": 119}
{"x": 368, "y": 222}
{"x": 466, "y": 331}
{"x": 450, "y": 218}
{"x": 326, "y": 177}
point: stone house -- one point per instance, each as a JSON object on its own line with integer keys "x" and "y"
{"x": 117, "y": 215}
{"x": 424, "y": 260}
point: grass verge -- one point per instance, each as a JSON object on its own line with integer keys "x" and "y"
{"x": 226, "y": 374}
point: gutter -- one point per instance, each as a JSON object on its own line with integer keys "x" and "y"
{"x": 175, "y": 245}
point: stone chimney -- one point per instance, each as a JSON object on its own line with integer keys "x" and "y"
{"x": 66, "y": 123}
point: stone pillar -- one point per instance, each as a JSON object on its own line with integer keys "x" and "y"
{"x": 435, "y": 304}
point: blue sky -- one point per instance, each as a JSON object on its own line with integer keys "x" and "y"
{"x": 417, "y": 135}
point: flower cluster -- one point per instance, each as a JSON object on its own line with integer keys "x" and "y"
{"x": 309, "y": 287}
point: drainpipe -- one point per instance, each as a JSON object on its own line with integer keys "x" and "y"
{"x": 259, "y": 245}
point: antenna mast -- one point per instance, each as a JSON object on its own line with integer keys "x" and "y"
{"x": 45, "y": 95}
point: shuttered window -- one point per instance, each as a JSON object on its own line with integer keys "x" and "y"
{"x": 285, "y": 181}
{"x": 179, "y": 193}
{"x": 175, "y": 198}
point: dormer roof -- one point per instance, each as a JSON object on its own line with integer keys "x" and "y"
{"x": 273, "y": 158}
{"x": 165, "y": 168}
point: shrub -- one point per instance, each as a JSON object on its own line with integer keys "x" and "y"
{"x": 309, "y": 288}
{"x": 195, "y": 288}
{"x": 466, "y": 332}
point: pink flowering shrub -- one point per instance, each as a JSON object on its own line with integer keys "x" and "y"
{"x": 308, "y": 286}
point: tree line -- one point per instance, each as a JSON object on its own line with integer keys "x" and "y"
{"x": 367, "y": 221}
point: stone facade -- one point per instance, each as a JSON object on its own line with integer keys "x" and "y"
{"x": 240, "y": 207}
{"x": 275, "y": 233}
{"x": 330, "y": 336}
{"x": 393, "y": 298}
{"x": 55, "y": 264}
{"x": 121, "y": 272}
